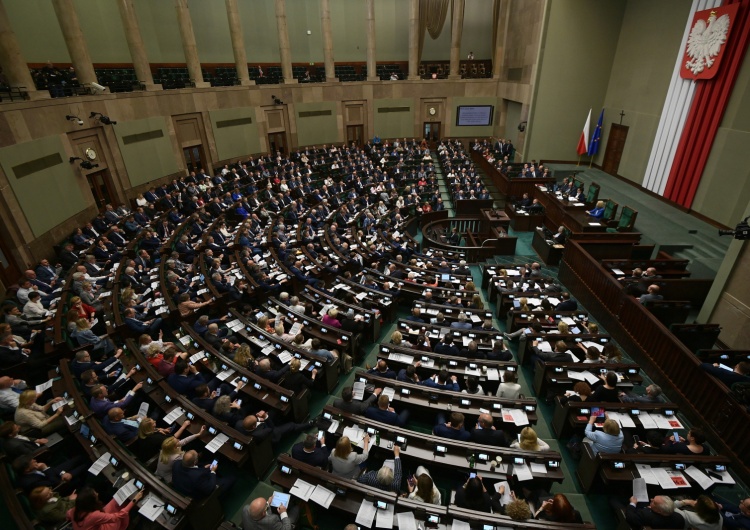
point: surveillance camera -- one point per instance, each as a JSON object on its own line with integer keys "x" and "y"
{"x": 96, "y": 88}
{"x": 79, "y": 121}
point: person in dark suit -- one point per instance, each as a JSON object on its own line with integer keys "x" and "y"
{"x": 197, "y": 482}
{"x": 381, "y": 369}
{"x": 659, "y": 513}
{"x": 125, "y": 430}
{"x": 347, "y": 404}
{"x": 566, "y": 304}
{"x": 453, "y": 429}
{"x": 68, "y": 258}
{"x": 64, "y": 478}
{"x": 652, "y": 294}
{"x": 740, "y": 374}
{"x": 261, "y": 426}
{"x": 312, "y": 451}
{"x": 485, "y": 433}
{"x": 385, "y": 414}
{"x": 186, "y": 379}
{"x": 559, "y": 355}
{"x": 446, "y": 346}
{"x": 15, "y": 444}
{"x": 263, "y": 369}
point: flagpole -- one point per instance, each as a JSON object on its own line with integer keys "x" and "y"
{"x": 591, "y": 161}
{"x": 579, "y": 160}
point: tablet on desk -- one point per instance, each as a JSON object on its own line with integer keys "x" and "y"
{"x": 280, "y": 499}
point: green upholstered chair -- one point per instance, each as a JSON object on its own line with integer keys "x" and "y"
{"x": 626, "y": 221}
{"x": 610, "y": 210}
{"x": 593, "y": 194}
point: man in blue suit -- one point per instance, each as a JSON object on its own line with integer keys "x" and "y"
{"x": 197, "y": 482}
{"x": 186, "y": 379}
{"x": 385, "y": 414}
{"x": 125, "y": 430}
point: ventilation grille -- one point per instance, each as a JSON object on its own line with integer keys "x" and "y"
{"x": 233, "y": 123}
{"x": 36, "y": 165}
{"x": 142, "y": 137}
{"x": 384, "y": 110}
{"x": 313, "y": 113}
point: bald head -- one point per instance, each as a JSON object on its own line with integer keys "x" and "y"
{"x": 257, "y": 508}
{"x": 5, "y": 382}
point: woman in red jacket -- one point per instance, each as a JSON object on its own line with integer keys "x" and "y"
{"x": 90, "y": 514}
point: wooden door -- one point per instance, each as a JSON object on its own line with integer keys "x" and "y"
{"x": 431, "y": 131}
{"x": 102, "y": 188}
{"x": 194, "y": 158}
{"x": 355, "y": 134}
{"x": 615, "y": 145}
{"x": 277, "y": 142}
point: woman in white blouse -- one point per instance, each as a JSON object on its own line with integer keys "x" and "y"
{"x": 171, "y": 450}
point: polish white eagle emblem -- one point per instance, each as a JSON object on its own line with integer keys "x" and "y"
{"x": 705, "y": 44}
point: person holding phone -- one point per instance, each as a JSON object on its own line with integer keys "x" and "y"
{"x": 345, "y": 462}
{"x": 695, "y": 444}
{"x": 197, "y": 482}
{"x": 312, "y": 451}
{"x": 171, "y": 450}
{"x": 258, "y": 515}
{"x": 473, "y": 495}
{"x": 422, "y": 488}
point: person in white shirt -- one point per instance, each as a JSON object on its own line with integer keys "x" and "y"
{"x": 8, "y": 392}
{"x": 509, "y": 388}
{"x": 33, "y": 308}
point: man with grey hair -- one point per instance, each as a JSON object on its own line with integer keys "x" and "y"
{"x": 386, "y": 478}
{"x": 652, "y": 395}
{"x": 258, "y": 515}
{"x": 659, "y": 513}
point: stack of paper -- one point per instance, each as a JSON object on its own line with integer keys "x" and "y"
{"x": 322, "y": 496}
{"x": 170, "y": 418}
{"x": 125, "y": 492}
{"x": 215, "y": 444}
{"x": 384, "y": 518}
{"x": 302, "y": 489}
{"x": 522, "y": 472}
{"x": 366, "y": 514}
{"x": 406, "y": 521}
{"x": 99, "y": 464}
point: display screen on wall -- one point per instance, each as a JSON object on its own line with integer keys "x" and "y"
{"x": 474, "y": 115}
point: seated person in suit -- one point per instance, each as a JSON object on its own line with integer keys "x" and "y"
{"x": 260, "y": 426}
{"x": 116, "y": 425}
{"x": 652, "y": 395}
{"x": 446, "y": 346}
{"x": 197, "y": 482}
{"x": 740, "y": 373}
{"x": 608, "y": 440}
{"x": 566, "y": 304}
{"x": 381, "y": 369}
{"x": 453, "y": 429}
{"x": 15, "y": 444}
{"x": 658, "y": 513}
{"x": 259, "y": 516}
{"x": 346, "y": 401}
{"x": 416, "y": 315}
{"x": 462, "y": 322}
{"x": 525, "y": 201}
{"x": 64, "y": 478}
{"x": 312, "y": 451}
{"x": 100, "y": 403}
{"x": 558, "y": 355}
{"x": 485, "y": 432}
{"x": 651, "y": 295}
{"x": 443, "y": 381}
{"x": 386, "y": 414}
{"x": 263, "y": 369}
{"x": 736, "y": 516}
{"x": 597, "y": 212}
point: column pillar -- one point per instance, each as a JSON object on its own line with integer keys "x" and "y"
{"x": 12, "y": 62}
{"x": 76, "y": 44}
{"x": 238, "y": 43}
{"x": 456, "y": 30}
{"x": 325, "y": 17}
{"x": 502, "y": 34}
{"x": 284, "y": 50}
{"x": 188, "y": 44}
{"x": 135, "y": 44}
{"x": 413, "y": 40}
{"x": 372, "y": 71}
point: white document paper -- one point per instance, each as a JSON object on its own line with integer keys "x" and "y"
{"x": 99, "y": 464}
{"x": 589, "y": 343}
{"x": 647, "y": 474}
{"x": 124, "y": 492}
{"x": 389, "y": 391}
{"x": 322, "y": 496}
{"x": 43, "y": 386}
{"x": 215, "y": 444}
{"x": 406, "y": 521}
{"x": 538, "y": 468}
{"x": 493, "y": 374}
{"x": 334, "y": 426}
{"x": 285, "y": 357}
{"x": 640, "y": 491}
{"x": 384, "y": 518}
{"x": 522, "y": 472}
{"x": 647, "y": 422}
{"x": 143, "y": 409}
{"x": 151, "y": 507}
{"x": 366, "y": 514}
{"x": 302, "y": 490}
{"x": 703, "y": 480}
{"x": 576, "y": 376}
{"x": 460, "y": 525}
{"x": 170, "y": 418}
